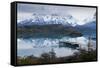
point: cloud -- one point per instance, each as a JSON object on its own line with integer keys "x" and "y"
{"x": 79, "y": 13}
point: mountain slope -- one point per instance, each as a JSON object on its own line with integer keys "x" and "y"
{"x": 49, "y": 19}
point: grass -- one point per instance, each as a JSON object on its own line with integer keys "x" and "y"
{"x": 50, "y": 57}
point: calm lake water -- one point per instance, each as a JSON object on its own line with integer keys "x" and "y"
{"x": 37, "y": 46}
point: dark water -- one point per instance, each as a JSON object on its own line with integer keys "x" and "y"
{"x": 37, "y": 46}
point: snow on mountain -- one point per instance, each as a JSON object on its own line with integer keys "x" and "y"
{"x": 55, "y": 19}
{"x": 49, "y": 19}
{"x": 90, "y": 19}
{"x": 90, "y": 23}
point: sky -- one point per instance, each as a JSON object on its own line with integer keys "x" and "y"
{"x": 25, "y": 11}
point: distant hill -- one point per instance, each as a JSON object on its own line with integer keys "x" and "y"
{"x": 53, "y": 30}
{"x": 54, "y": 25}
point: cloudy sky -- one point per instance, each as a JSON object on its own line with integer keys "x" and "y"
{"x": 25, "y": 11}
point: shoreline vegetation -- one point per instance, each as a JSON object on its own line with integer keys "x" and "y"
{"x": 50, "y": 57}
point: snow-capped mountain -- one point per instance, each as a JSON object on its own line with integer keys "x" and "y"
{"x": 68, "y": 20}
{"x": 90, "y": 23}
{"x": 49, "y": 19}
{"x": 90, "y": 19}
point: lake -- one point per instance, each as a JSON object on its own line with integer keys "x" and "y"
{"x": 37, "y": 46}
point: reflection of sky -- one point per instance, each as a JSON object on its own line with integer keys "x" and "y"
{"x": 60, "y": 52}
{"x": 47, "y": 42}
{"x": 79, "y": 13}
{"x": 39, "y": 46}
